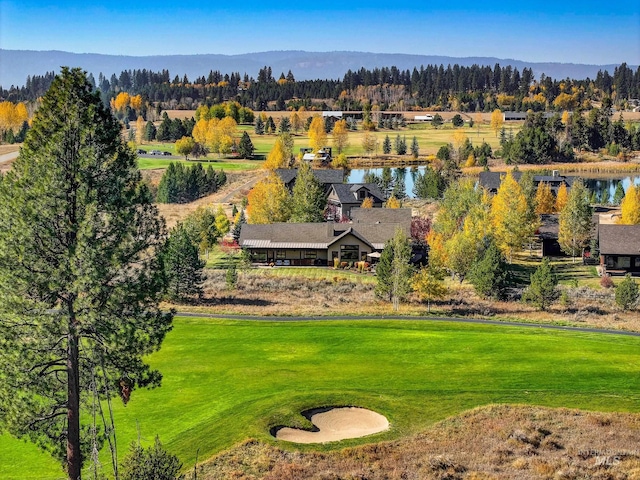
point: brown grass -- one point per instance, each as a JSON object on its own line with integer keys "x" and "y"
{"x": 492, "y": 442}
{"x": 264, "y": 293}
{"x": 9, "y": 148}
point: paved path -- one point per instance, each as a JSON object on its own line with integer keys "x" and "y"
{"x": 258, "y": 318}
{"x": 256, "y": 175}
{"x": 7, "y": 157}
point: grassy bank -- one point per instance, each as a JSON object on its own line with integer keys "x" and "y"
{"x": 227, "y": 381}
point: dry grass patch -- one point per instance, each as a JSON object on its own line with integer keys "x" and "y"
{"x": 493, "y": 442}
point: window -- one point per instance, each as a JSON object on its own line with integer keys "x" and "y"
{"x": 281, "y": 254}
{"x": 362, "y": 194}
{"x": 624, "y": 262}
{"x": 349, "y": 253}
{"x": 259, "y": 256}
{"x": 637, "y": 262}
{"x": 312, "y": 254}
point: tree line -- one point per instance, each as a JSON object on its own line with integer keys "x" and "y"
{"x": 183, "y": 184}
{"x": 454, "y": 87}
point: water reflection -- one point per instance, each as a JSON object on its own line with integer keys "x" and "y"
{"x": 598, "y": 184}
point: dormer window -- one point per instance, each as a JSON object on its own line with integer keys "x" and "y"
{"x": 362, "y": 194}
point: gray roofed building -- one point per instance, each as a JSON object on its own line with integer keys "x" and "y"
{"x": 619, "y": 248}
{"x": 324, "y": 176}
{"x": 319, "y": 243}
{"x": 345, "y": 196}
{"x": 492, "y": 180}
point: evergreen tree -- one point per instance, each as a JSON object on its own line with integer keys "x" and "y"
{"x": 542, "y": 289}
{"x": 489, "y": 274}
{"x": 79, "y": 273}
{"x": 259, "y": 128}
{"x": 386, "y": 145}
{"x": 182, "y": 265}
{"x": 240, "y": 220}
{"x": 270, "y": 125}
{"x": 245, "y": 146}
{"x": 575, "y": 221}
{"x": 153, "y": 463}
{"x": 415, "y": 148}
{"x": 428, "y": 185}
{"x": 618, "y": 194}
{"x": 400, "y": 145}
{"x": 393, "y": 272}
{"x": 627, "y": 293}
{"x": 308, "y": 199}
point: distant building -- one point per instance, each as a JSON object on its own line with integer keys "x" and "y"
{"x": 343, "y": 197}
{"x": 619, "y": 248}
{"x": 423, "y": 118}
{"x": 492, "y": 180}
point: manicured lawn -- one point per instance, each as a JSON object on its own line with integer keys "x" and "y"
{"x": 227, "y": 381}
{"x": 228, "y": 165}
{"x": 314, "y": 273}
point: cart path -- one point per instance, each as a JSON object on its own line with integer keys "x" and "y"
{"x": 479, "y": 321}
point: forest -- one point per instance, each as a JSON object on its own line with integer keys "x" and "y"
{"x": 435, "y": 87}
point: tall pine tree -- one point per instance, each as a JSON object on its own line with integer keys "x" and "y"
{"x": 79, "y": 275}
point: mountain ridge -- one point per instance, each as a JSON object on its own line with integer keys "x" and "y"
{"x": 16, "y": 65}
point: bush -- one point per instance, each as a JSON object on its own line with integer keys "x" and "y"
{"x": 606, "y": 282}
{"x": 542, "y": 290}
{"x": 153, "y": 463}
{"x": 627, "y": 293}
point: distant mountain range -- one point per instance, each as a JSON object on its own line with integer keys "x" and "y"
{"x": 16, "y": 65}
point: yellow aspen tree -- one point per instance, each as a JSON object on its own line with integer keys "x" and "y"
{"x": 277, "y": 157}
{"x": 135, "y": 102}
{"x": 369, "y": 143}
{"x": 367, "y": 203}
{"x": 393, "y": 202}
{"x": 438, "y": 258}
{"x": 296, "y": 122}
{"x": 139, "y": 130}
{"x": 200, "y": 131}
{"x": 497, "y": 120}
{"x": 222, "y": 222}
{"x": 121, "y": 101}
{"x": 7, "y": 113}
{"x": 510, "y": 217}
{"x": 545, "y": 203}
{"x": 340, "y": 135}
{"x": 630, "y": 206}
{"x": 458, "y": 137}
{"x": 317, "y": 134}
{"x": 565, "y": 118}
{"x": 269, "y": 201}
{"x": 428, "y": 285}
{"x": 561, "y": 198}
{"x": 20, "y": 115}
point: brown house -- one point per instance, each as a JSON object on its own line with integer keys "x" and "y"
{"x": 319, "y": 243}
{"x": 619, "y": 248}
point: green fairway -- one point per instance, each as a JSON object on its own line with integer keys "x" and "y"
{"x": 226, "y": 381}
{"x": 228, "y": 165}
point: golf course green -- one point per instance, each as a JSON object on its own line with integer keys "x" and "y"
{"x": 225, "y": 381}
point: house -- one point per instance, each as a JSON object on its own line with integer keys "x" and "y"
{"x": 619, "y": 248}
{"x": 492, "y": 180}
{"x": 325, "y": 177}
{"x": 319, "y": 243}
{"x": 343, "y": 197}
{"x": 423, "y": 118}
{"x": 514, "y": 116}
{"x": 322, "y": 156}
{"x": 548, "y": 232}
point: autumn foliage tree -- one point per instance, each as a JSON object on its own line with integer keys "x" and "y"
{"x": 12, "y": 116}
{"x": 269, "y": 201}
{"x": 630, "y": 206}
{"x": 545, "y": 201}
{"x": 340, "y": 135}
{"x": 277, "y": 157}
{"x": 497, "y": 120}
{"x": 561, "y": 197}
{"x": 317, "y": 133}
{"x": 510, "y": 217}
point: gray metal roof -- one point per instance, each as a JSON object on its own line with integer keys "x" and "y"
{"x": 324, "y": 176}
{"x": 346, "y": 192}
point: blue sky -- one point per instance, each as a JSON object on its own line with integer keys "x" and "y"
{"x": 586, "y": 32}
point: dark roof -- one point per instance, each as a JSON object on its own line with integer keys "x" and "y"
{"x": 346, "y": 192}
{"x": 381, "y": 215}
{"x": 321, "y": 235}
{"x": 492, "y": 180}
{"x": 549, "y": 226}
{"x": 619, "y": 239}
{"x": 324, "y": 176}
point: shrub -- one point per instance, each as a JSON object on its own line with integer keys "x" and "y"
{"x": 153, "y": 463}
{"x": 336, "y": 262}
{"x": 627, "y": 293}
{"x": 606, "y": 282}
{"x": 542, "y": 290}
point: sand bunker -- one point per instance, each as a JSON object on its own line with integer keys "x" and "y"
{"x": 333, "y": 424}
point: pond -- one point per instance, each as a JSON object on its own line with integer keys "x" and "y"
{"x": 595, "y": 183}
